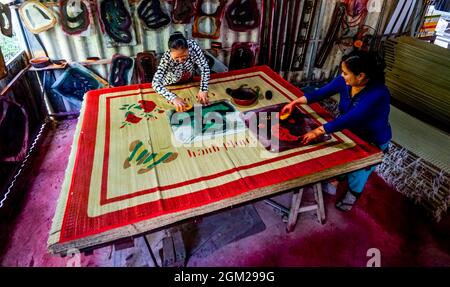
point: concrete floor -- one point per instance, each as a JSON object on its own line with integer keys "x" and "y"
{"x": 382, "y": 219}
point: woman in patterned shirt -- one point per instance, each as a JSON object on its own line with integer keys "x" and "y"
{"x": 177, "y": 66}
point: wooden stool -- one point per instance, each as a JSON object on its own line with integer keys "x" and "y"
{"x": 296, "y": 207}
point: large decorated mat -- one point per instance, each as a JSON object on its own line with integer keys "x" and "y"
{"x": 137, "y": 165}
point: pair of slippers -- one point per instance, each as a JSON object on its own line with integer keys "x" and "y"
{"x": 345, "y": 202}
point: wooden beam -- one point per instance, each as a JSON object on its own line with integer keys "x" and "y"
{"x": 14, "y": 80}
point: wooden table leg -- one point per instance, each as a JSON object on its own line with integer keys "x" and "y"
{"x": 319, "y": 200}
{"x": 173, "y": 253}
{"x": 180, "y": 250}
{"x": 293, "y": 212}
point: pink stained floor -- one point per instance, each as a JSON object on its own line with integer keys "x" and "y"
{"x": 382, "y": 219}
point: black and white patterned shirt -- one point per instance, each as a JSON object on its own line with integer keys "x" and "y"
{"x": 170, "y": 71}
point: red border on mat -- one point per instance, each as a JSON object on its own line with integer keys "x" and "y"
{"x": 76, "y": 224}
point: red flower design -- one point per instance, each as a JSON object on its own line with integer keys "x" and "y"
{"x": 132, "y": 118}
{"x": 148, "y": 106}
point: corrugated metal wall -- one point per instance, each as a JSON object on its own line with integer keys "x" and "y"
{"x": 78, "y": 48}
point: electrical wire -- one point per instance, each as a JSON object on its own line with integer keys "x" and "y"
{"x": 24, "y": 163}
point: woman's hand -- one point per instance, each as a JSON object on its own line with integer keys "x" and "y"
{"x": 308, "y": 137}
{"x": 287, "y": 109}
{"x": 179, "y": 103}
{"x": 202, "y": 97}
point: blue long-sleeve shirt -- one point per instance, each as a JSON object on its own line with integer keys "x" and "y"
{"x": 366, "y": 114}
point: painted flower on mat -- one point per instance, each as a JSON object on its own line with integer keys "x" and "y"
{"x": 144, "y": 109}
{"x": 132, "y": 118}
{"x": 148, "y": 106}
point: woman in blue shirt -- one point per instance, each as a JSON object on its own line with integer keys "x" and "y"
{"x": 364, "y": 109}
